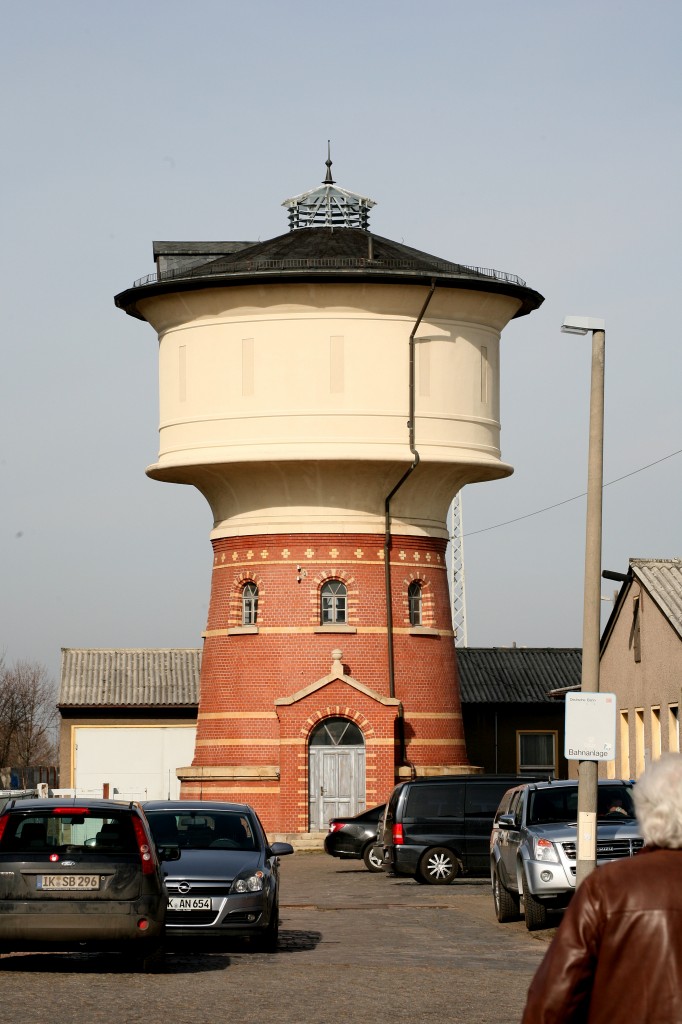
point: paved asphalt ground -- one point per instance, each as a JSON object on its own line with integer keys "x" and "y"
{"x": 354, "y": 946}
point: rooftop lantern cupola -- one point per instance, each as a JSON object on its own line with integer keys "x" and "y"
{"x": 329, "y": 206}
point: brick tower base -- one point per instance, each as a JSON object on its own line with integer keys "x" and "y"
{"x": 266, "y": 687}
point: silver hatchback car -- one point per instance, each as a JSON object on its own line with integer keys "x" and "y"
{"x": 79, "y": 874}
{"x": 533, "y": 845}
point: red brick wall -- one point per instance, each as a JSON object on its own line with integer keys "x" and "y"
{"x": 241, "y": 728}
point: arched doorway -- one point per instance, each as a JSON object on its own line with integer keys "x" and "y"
{"x": 336, "y": 771}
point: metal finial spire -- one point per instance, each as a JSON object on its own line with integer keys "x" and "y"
{"x": 328, "y": 178}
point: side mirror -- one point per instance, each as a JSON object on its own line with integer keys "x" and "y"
{"x": 279, "y": 849}
{"x": 506, "y": 821}
{"x": 168, "y": 851}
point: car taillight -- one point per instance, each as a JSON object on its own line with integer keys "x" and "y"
{"x": 335, "y": 826}
{"x": 3, "y": 824}
{"x": 398, "y": 837}
{"x": 146, "y": 853}
{"x": 70, "y": 810}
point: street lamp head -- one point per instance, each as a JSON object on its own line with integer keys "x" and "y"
{"x": 582, "y": 324}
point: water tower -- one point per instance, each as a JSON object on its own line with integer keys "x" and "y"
{"x": 328, "y": 391}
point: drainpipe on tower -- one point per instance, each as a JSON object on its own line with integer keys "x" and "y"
{"x": 387, "y": 516}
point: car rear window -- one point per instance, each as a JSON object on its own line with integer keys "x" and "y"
{"x": 203, "y": 830}
{"x": 372, "y": 815}
{"x": 54, "y": 830}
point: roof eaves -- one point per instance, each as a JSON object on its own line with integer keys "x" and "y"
{"x": 615, "y": 612}
{"x": 665, "y": 592}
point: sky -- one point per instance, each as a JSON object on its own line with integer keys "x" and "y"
{"x": 537, "y": 138}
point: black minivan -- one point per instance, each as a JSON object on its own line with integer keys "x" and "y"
{"x": 438, "y": 827}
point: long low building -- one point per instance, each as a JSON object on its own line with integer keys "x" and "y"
{"x": 128, "y": 720}
{"x": 128, "y": 716}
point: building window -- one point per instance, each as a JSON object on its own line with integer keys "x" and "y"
{"x": 249, "y": 604}
{"x": 673, "y": 727}
{"x": 639, "y": 742}
{"x": 333, "y": 603}
{"x": 655, "y": 733}
{"x": 624, "y": 739}
{"x": 536, "y": 752}
{"x": 337, "y": 732}
{"x": 414, "y": 601}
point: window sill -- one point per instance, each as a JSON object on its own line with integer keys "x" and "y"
{"x": 423, "y": 631}
{"x": 335, "y": 627}
{"x": 242, "y": 630}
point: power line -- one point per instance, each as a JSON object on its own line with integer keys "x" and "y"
{"x": 576, "y": 497}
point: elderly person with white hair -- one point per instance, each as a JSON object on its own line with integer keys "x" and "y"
{"x": 617, "y": 955}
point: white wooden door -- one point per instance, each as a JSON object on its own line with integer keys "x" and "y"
{"x": 336, "y": 783}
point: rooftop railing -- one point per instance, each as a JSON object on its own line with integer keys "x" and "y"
{"x": 218, "y": 268}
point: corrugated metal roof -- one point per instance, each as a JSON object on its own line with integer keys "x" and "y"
{"x": 662, "y": 578}
{"x": 525, "y": 675}
{"x": 169, "y": 677}
{"x": 133, "y": 677}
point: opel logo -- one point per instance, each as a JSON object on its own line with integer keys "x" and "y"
{"x": 184, "y": 887}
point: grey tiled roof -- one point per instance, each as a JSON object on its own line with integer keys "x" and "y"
{"x": 662, "y": 578}
{"x": 138, "y": 677}
{"x": 500, "y": 675}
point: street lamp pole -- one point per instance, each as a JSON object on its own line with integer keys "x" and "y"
{"x": 589, "y": 680}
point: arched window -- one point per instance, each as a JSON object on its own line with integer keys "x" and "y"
{"x": 337, "y": 732}
{"x": 414, "y": 601}
{"x": 249, "y": 604}
{"x": 333, "y": 603}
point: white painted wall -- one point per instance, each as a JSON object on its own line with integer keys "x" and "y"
{"x": 138, "y": 762}
{"x": 287, "y": 404}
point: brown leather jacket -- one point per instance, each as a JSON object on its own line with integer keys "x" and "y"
{"x": 617, "y": 956}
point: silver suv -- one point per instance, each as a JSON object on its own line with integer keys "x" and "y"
{"x": 533, "y": 845}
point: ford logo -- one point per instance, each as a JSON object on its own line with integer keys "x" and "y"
{"x": 184, "y": 887}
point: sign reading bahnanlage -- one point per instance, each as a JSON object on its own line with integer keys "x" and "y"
{"x": 590, "y": 727}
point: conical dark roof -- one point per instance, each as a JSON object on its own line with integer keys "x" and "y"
{"x": 329, "y": 239}
{"x": 330, "y": 247}
{"x": 329, "y": 253}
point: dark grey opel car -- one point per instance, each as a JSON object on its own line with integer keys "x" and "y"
{"x": 79, "y": 874}
{"x": 226, "y": 880}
